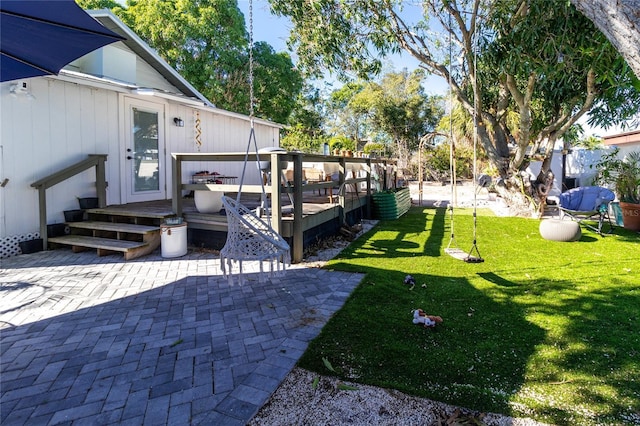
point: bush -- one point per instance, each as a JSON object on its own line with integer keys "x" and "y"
{"x": 438, "y": 160}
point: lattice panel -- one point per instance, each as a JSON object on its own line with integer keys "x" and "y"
{"x": 9, "y": 245}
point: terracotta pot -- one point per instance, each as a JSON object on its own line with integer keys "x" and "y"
{"x": 630, "y": 216}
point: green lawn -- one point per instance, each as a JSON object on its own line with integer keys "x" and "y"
{"x": 542, "y": 329}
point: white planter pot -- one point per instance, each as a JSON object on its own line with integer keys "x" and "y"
{"x": 208, "y": 201}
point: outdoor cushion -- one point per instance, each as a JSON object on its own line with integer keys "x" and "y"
{"x": 560, "y": 230}
{"x": 587, "y": 203}
{"x": 586, "y": 198}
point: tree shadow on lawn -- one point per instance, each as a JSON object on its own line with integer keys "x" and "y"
{"x": 477, "y": 358}
{"x": 568, "y": 353}
{"x": 590, "y": 360}
{"x": 562, "y": 346}
{"x": 403, "y": 232}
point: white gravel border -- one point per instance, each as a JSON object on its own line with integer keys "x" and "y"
{"x": 306, "y": 398}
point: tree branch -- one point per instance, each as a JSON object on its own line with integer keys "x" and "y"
{"x": 619, "y": 21}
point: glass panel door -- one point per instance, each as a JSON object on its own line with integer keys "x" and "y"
{"x": 144, "y": 151}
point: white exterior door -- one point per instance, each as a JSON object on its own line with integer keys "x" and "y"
{"x": 144, "y": 152}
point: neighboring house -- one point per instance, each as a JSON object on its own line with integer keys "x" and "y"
{"x": 579, "y": 163}
{"x": 122, "y": 100}
{"x": 627, "y": 142}
{"x": 574, "y": 166}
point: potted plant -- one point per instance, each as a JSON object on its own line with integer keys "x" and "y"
{"x": 88, "y": 202}
{"x": 74, "y": 215}
{"x": 30, "y": 246}
{"x": 624, "y": 174}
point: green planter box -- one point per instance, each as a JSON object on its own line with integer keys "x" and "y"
{"x": 391, "y": 204}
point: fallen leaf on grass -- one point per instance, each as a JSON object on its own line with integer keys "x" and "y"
{"x": 328, "y": 364}
{"x": 342, "y": 386}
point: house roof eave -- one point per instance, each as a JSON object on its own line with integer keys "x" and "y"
{"x": 632, "y": 137}
{"x": 110, "y": 21}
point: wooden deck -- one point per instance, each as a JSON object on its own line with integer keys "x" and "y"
{"x": 307, "y": 203}
{"x": 319, "y": 217}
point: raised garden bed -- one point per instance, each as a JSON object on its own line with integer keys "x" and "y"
{"x": 391, "y": 204}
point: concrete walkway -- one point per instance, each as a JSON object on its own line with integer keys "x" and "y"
{"x": 94, "y": 341}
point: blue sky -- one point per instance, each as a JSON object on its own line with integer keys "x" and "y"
{"x": 275, "y": 31}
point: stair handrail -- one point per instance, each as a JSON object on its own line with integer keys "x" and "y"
{"x": 95, "y": 160}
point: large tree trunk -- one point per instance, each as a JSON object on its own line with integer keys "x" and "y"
{"x": 619, "y": 21}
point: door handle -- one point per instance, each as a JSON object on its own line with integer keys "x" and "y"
{"x": 129, "y": 157}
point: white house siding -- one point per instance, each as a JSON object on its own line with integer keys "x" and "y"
{"x": 626, "y": 142}
{"x": 147, "y": 76}
{"x": 581, "y": 164}
{"x": 84, "y": 111}
{"x": 220, "y": 132}
{"x": 59, "y": 127}
{"x": 67, "y": 121}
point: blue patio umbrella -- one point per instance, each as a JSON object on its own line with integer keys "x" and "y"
{"x": 40, "y": 37}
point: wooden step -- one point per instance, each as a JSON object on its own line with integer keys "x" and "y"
{"x": 131, "y": 249}
{"x": 131, "y": 212}
{"x": 114, "y": 227}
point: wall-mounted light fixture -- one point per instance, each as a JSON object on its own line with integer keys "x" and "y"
{"x": 178, "y": 121}
{"x": 21, "y": 89}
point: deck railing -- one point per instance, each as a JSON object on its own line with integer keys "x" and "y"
{"x": 94, "y": 160}
{"x": 276, "y": 189}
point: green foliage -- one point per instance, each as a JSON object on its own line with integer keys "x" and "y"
{"x": 277, "y": 85}
{"x": 326, "y": 35}
{"x": 591, "y": 142}
{"x": 207, "y": 43}
{"x": 342, "y": 142}
{"x": 373, "y": 147}
{"x": 327, "y": 364}
{"x": 457, "y": 124}
{"x": 305, "y": 132}
{"x": 298, "y": 138}
{"x": 550, "y": 335}
{"x": 401, "y": 108}
{"x": 537, "y": 65}
{"x": 559, "y": 46}
{"x": 622, "y": 173}
{"x": 396, "y": 107}
{"x": 439, "y": 157}
{"x": 98, "y": 4}
{"x": 308, "y": 110}
{"x": 347, "y": 114}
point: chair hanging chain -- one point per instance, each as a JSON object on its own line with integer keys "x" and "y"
{"x": 252, "y": 133}
{"x": 476, "y": 104}
{"x": 251, "y": 94}
{"x": 452, "y": 169}
{"x": 452, "y": 251}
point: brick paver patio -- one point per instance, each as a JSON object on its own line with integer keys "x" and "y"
{"x": 99, "y": 340}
